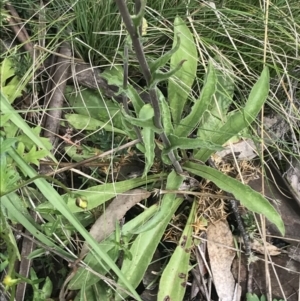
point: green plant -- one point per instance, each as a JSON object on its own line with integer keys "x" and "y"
{"x": 173, "y": 122}
{"x": 150, "y": 117}
{"x": 182, "y": 121}
{"x": 40, "y": 294}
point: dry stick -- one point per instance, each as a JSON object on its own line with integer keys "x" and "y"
{"x": 195, "y": 193}
{"x": 19, "y": 30}
{"x": 246, "y": 239}
{"x": 138, "y": 48}
{"x": 127, "y": 145}
{"x": 25, "y": 265}
{"x": 57, "y": 96}
{"x": 27, "y": 246}
{"x": 70, "y": 164}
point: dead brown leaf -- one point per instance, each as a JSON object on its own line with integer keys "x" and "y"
{"x": 106, "y": 223}
{"x": 219, "y": 244}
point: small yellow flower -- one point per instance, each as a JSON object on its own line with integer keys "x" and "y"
{"x": 8, "y": 281}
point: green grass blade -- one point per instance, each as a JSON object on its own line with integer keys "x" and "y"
{"x": 250, "y": 198}
{"x": 6, "y": 108}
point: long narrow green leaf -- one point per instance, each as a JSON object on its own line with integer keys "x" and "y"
{"x": 107, "y": 245}
{"x": 173, "y": 182}
{"x": 99, "y": 194}
{"x": 6, "y": 108}
{"x": 143, "y": 248}
{"x": 188, "y": 124}
{"x": 148, "y": 141}
{"x": 162, "y": 60}
{"x": 56, "y": 200}
{"x": 174, "y": 278}
{"x": 165, "y": 113}
{"x": 250, "y": 198}
{"x": 241, "y": 119}
{"x": 180, "y": 84}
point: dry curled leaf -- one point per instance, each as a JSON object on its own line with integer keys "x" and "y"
{"x": 259, "y": 247}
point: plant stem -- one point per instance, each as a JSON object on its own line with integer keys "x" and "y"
{"x": 140, "y": 54}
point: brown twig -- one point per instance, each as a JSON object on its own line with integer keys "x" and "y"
{"x": 56, "y": 98}
{"x": 25, "y": 264}
{"x": 83, "y": 162}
